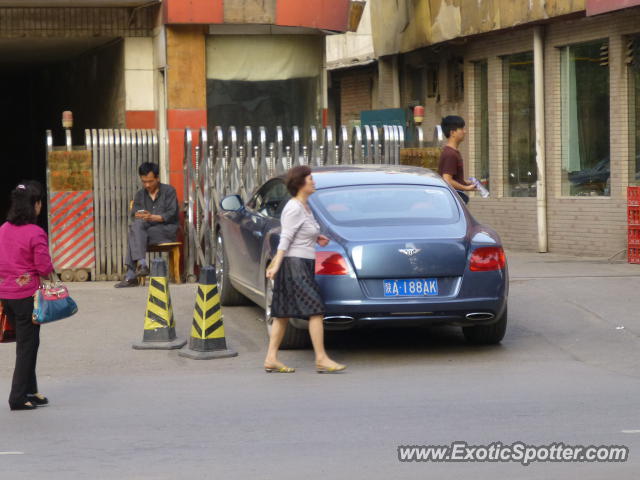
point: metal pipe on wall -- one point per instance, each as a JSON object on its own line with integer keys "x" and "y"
{"x": 541, "y": 184}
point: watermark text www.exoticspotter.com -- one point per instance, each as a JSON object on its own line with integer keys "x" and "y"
{"x": 518, "y": 452}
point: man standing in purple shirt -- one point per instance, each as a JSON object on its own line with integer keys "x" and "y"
{"x": 451, "y": 165}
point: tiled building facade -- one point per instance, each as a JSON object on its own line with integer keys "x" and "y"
{"x": 577, "y": 224}
{"x": 591, "y": 130}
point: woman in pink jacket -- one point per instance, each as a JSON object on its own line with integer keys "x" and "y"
{"x": 24, "y": 258}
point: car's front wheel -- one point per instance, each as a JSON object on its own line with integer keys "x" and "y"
{"x": 294, "y": 338}
{"x": 487, "y": 334}
{"x": 229, "y": 296}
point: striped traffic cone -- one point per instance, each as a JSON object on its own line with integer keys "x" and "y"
{"x": 207, "y": 333}
{"x": 159, "y": 326}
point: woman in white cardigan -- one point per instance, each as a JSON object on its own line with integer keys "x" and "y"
{"x": 296, "y": 292}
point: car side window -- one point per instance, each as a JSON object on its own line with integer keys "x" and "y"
{"x": 269, "y": 198}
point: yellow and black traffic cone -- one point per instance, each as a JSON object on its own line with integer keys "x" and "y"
{"x": 207, "y": 333}
{"x": 159, "y": 326}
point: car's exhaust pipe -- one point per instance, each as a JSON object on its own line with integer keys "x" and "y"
{"x": 479, "y": 316}
{"x": 339, "y": 320}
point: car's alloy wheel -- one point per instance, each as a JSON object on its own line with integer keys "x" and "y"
{"x": 294, "y": 338}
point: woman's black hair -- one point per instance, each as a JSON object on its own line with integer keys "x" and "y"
{"x": 23, "y": 203}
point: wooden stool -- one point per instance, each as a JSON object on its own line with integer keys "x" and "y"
{"x": 174, "y": 258}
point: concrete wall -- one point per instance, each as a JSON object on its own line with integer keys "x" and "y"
{"x": 352, "y": 48}
{"x": 139, "y": 77}
{"x": 404, "y": 25}
{"x": 318, "y": 14}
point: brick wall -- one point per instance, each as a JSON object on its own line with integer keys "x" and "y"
{"x": 576, "y": 225}
{"x": 590, "y": 225}
{"x": 355, "y": 94}
{"x": 77, "y": 22}
{"x": 513, "y": 217}
{"x": 593, "y": 226}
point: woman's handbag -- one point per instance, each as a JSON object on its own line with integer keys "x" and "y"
{"x": 52, "y": 302}
{"x": 7, "y": 332}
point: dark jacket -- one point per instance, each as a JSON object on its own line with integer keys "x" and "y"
{"x": 165, "y": 204}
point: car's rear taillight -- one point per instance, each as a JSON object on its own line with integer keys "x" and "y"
{"x": 331, "y": 263}
{"x": 486, "y": 259}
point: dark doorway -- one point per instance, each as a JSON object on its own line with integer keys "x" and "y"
{"x": 41, "y": 78}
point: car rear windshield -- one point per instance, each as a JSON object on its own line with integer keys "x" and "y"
{"x": 388, "y": 205}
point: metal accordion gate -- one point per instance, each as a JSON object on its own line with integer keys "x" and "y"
{"x": 237, "y": 162}
{"x": 90, "y": 189}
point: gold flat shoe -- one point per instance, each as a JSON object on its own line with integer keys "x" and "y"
{"x": 278, "y": 369}
{"x": 336, "y": 369}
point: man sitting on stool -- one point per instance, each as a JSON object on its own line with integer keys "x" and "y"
{"x": 155, "y": 211}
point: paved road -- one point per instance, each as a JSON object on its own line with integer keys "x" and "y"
{"x": 567, "y": 371}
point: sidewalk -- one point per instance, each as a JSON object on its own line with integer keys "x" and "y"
{"x": 544, "y": 265}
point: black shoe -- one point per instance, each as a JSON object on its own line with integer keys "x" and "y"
{"x": 127, "y": 283}
{"x": 23, "y": 406}
{"x": 38, "y": 400}
{"x": 142, "y": 271}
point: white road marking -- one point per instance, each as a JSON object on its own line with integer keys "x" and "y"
{"x": 630, "y": 431}
{"x": 11, "y": 453}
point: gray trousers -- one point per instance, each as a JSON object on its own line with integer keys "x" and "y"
{"x": 141, "y": 234}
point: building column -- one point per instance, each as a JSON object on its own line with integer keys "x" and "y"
{"x": 388, "y": 82}
{"x": 186, "y": 93}
{"x": 139, "y": 83}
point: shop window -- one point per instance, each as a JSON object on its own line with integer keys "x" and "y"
{"x": 521, "y": 171}
{"x": 585, "y": 119}
{"x": 633, "y": 61}
{"x": 482, "y": 114}
{"x": 262, "y": 80}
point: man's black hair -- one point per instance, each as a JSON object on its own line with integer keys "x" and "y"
{"x": 451, "y": 123}
{"x": 147, "y": 167}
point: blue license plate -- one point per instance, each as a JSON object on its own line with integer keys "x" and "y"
{"x": 411, "y": 287}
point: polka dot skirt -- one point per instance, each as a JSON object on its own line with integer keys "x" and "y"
{"x": 295, "y": 292}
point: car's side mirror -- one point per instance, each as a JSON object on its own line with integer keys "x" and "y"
{"x": 232, "y": 203}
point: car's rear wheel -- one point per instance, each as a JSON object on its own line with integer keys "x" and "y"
{"x": 294, "y": 338}
{"x": 229, "y": 296}
{"x": 487, "y": 334}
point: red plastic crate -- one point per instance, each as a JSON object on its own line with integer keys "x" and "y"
{"x": 633, "y": 255}
{"x": 633, "y": 196}
{"x": 634, "y": 236}
{"x": 633, "y": 216}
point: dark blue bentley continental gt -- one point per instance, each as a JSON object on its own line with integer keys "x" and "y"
{"x": 404, "y": 251}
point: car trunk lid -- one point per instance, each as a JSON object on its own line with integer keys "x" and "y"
{"x": 436, "y": 251}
